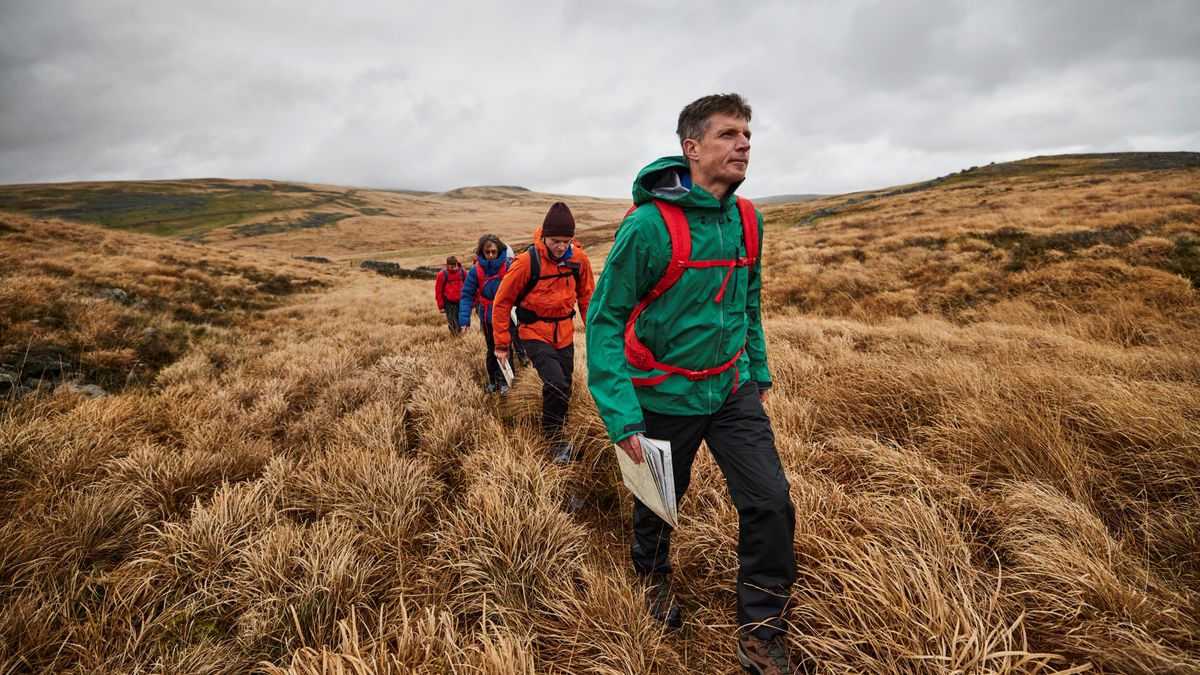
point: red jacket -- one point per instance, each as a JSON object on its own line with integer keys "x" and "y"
{"x": 448, "y": 287}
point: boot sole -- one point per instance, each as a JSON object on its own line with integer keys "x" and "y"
{"x": 747, "y": 663}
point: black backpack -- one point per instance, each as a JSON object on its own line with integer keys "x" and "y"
{"x": 535, "y": 275}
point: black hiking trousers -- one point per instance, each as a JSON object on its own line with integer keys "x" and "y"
{"x": 451, "y": 312}
{"x": 740, "y": 438}
{"x": 493, "y": 366}
{"x": 555, "y": 367}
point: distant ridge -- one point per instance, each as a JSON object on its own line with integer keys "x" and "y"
{"x": 483, "y": 191}
{"x": 786, "y": 199}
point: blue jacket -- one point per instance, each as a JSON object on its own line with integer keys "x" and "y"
{"x": 471, "y": 285}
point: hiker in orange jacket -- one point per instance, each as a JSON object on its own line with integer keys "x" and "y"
{"x": 545, "y": 283}
{"x": 447, "y": 290}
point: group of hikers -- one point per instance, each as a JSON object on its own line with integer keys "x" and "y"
{"x": 540, "y": 289}
{"x": 675, "y": 352}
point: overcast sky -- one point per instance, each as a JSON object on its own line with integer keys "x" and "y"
{"x": 576, "y": 96}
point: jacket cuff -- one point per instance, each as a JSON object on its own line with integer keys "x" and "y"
{"x": 763, "y": 386}
{"x": 629, "y": 430}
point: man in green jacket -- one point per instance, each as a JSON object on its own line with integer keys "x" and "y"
{"x": 703, "y": 372}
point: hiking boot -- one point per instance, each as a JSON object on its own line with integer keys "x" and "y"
{"x": 562, "y": 453}
{"x": 660, "y": 600}
{"x": 492, "y": 388}
{"x": 767, "y": 657}
{"x": 504, "y": 389}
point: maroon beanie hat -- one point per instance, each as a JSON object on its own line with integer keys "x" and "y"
{"x": 559, "y": 222}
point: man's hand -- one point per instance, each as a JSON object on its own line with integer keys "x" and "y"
{"x": 763, "y": 394}
{"x": 632, "y": 447}
{"x": 501, "y": 357}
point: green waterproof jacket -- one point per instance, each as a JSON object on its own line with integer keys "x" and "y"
{"x": 683, "y": 327}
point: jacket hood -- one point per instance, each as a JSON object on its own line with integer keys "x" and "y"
{"x": 668, "y": 179}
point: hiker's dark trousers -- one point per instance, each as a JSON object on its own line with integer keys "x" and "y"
{"x": 452, "y": 316}
{"x": 740, "y": 439}
{"x": 555, "y": 367}
{"x": 517, "y": 345}
{"x": 493, "y": 367}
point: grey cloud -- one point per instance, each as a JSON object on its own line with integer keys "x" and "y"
{"x": 576, "y": 96}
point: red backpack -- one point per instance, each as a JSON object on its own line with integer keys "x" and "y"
{"x": 482, "y": 280}
{"x": 637, "y": 353}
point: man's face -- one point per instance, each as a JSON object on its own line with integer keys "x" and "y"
{"x": 490, "y": 251}
{"x": 557, "y": 245}
{"x": 724, "y": 152}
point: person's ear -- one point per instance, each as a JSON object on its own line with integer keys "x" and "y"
{"x": 691, "y": 149}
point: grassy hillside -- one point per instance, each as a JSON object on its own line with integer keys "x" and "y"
{"x": 112, "y": 309}
{"x": 986, "y": 403}
{"x": 169, "y": 208}
{"x": 344, "y": 225}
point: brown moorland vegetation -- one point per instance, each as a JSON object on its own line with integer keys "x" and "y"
{"x": 986, "y": 401}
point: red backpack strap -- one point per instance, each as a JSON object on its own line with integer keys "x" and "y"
{"x": 681, "y": 248}
{"x": 480, "y": 280}
{"x": 749, "y": 228}
{"x": 638, "y": 354}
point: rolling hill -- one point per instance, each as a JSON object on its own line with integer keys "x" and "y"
{"x": 291, "y": 219}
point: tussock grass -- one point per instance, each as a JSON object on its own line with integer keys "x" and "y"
{"x": 995, "y": 465}
{"x": 110, "y": 308}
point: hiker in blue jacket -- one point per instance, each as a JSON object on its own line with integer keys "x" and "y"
{"x": 483, "y": 279}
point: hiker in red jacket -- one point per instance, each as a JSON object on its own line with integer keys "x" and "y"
{"x": 448, "y": 291}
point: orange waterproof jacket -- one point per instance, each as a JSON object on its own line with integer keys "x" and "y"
{"x": 553, "y": 297}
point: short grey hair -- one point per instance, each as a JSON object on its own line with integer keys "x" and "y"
{"x": 693, "y": 119}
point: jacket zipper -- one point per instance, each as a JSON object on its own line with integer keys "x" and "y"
{"x": 721, "y": 305}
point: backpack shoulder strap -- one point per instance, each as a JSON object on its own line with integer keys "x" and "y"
{"x": 535, "y": 272}
{"x": 749, "y": 228}
{"x": 638, "y": 355}
{"x": 681, "y": 247}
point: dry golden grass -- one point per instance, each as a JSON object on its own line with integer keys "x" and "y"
{"x": 993, "y": 443}
{"x": 421, "y": 230}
